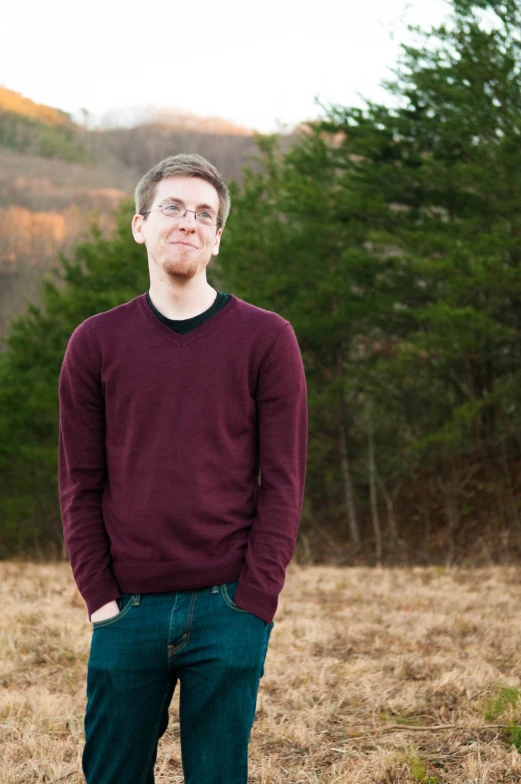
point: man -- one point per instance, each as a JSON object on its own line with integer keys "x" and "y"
{"x": 182, "y": 453}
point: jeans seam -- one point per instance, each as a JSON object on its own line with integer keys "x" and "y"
{"x": 171, "y": 623}
{"x": 270, "y": 627}
{"x": 229, "y": 601}
{"x": 154, "y": 737}
{"x": 191, "y": 616}
{"x": 188, "y": 626}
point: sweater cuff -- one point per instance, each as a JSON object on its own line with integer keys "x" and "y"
{"x": 250, "y": 598}
{"x": 95, "y": 596}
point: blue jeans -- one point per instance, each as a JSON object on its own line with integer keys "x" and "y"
{"x": 216, "y": 649}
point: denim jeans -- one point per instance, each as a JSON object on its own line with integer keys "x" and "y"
{"x": 215, "y": 649}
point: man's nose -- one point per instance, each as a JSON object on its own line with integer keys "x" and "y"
{"x": 188, "y": 219}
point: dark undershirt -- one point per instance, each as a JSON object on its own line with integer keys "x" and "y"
{"x": 182, "y": 326}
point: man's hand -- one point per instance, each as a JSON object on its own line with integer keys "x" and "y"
{"x": 108, "y": 610}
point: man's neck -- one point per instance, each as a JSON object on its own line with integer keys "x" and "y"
{"x": 181, "y": 304}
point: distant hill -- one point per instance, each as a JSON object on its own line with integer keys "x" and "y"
{"x": 34, "y": 129}
{"x": 138, "y": 149}
{"x": 116, "y": 151}
{"x": 14, "y": 103}
{"x": 57, "y": 176}
{"x": 175, "y": 120}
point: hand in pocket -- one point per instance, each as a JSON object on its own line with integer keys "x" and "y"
{"x": 106, "y": 612}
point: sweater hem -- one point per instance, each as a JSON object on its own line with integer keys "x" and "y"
{"x": 255, "y": 601}
{"x": 162, "y": 577}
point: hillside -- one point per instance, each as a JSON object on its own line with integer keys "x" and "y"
{"x": 35, "y": 129}
{"x": 21, "y": 106}
{"x": 56, "y": 177}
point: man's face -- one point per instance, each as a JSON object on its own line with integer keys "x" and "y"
{"x": 181, "y": 247}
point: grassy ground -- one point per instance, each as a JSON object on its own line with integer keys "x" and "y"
{"x": 395, "y": 675}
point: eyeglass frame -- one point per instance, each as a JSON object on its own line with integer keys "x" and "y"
{"x": 160, "y": 207}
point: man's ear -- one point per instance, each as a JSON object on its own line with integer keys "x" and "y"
{"x": 217, "y": 243}
{"x": 138, "y": 223}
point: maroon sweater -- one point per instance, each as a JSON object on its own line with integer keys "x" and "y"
{"x": 162, "y": 439}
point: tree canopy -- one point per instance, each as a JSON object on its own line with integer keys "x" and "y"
{"x": 390, "y": 237}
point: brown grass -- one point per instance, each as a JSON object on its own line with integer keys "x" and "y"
{"x": 395, "y": 675}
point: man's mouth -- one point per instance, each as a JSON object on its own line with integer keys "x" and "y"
{"x": 188, "y": 244}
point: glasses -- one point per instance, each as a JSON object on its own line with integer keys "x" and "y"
{"x": 174, "y": 210}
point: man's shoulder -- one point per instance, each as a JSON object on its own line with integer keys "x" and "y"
{"x": 260, "y": 318}
{"x": 113, "y": 317}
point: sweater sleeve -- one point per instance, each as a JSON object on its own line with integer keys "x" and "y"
{"x": 82, "y": 471}
{"x": 282, "y": 426}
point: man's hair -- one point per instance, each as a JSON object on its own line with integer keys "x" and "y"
{"x": 184, "y": 165}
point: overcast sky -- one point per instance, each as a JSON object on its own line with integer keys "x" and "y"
{"x": 260, "y": 65}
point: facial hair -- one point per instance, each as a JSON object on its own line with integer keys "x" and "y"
{"x": 180, "y": 268}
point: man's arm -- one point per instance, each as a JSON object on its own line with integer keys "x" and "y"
{"x": 82, "y": 472}
{"x": 282, "y": 422}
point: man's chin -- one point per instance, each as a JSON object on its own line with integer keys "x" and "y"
{"x": 181, "y": 271}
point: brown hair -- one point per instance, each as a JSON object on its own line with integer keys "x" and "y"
{"x": 184, "y": 165}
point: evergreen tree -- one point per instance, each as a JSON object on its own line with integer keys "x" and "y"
{"x": 416, "y": 247}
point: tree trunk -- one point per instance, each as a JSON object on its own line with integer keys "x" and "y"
{"x": 349, "y": 494}
{"x": 372, "y": 485}
{"x": 389, "y": 502}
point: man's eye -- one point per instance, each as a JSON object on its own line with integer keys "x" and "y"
{"x": 205, "y": 215}
{"x": 173, "y": 207}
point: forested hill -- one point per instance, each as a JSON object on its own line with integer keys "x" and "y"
{"x": 56, "y": 176}
{"x": 36, "y": 129}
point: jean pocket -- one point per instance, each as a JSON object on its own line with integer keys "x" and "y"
{"x": 125, "y": 603}
{"x": 228, "y": 592}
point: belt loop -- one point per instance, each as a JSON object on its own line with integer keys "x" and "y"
{"x": 136, "y": 599}
{"x": 215, "y": 589}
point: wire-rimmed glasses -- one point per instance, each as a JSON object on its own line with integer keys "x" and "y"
{"x": 173, "y": 209}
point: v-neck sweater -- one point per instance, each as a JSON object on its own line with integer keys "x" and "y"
{"x": 182, "y": 326}
{"x": 182, "y": 457}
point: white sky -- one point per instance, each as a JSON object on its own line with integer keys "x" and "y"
{"x": 258, "y": 64}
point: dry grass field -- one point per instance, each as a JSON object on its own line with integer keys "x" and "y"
{"x": 392, "y": 675}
